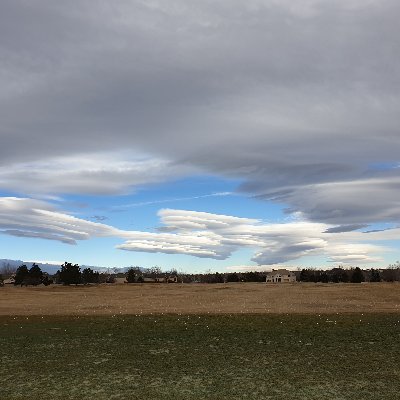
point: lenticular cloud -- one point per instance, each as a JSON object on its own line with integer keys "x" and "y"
{"x": 39, "y": 219}
{"x": 218, "y": 236}
{"x": 199, "y": 234}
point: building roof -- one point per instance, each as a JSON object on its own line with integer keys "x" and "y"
{"x": 279, "y": 272}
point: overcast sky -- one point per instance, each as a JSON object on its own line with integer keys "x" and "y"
{"x": 207, "y": 134}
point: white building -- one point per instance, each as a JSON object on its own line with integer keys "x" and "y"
{"x": 9, "y": 281}
{"x": 280, "y": 276}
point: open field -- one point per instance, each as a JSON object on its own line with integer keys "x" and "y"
{"x": 228, "y": 341}
{"x": 293, "y": 357}
{"x": 200, "y": 298}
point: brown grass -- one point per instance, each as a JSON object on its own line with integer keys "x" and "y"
{"x": 250, "y": 298}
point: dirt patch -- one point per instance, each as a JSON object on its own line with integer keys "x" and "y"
{"x": 249, "y": 298}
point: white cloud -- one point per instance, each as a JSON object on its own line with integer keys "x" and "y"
{"x": 195, "y": 220}
{"x": 171, "y": 200}
{"x": 199, "y": 244}
{"x": 198, "y": 234}
{"x": 218, "y": 236}
{"x": 25, "y": 217}
{"x": 101, "y": 173}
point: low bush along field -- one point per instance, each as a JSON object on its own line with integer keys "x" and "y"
{"x": 201, "y": 357}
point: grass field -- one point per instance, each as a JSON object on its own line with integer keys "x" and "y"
{"x": 330, "y": 356}
{"x": 200, "y": 299}
{"x": 224, "y": 341}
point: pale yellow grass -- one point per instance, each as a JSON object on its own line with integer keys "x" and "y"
{"x": 200, "y": 298}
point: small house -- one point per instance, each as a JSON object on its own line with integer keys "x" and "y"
{"x": 9, "y": 281}
{"x": 280, "y": 276}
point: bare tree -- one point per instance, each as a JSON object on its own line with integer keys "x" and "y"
{"x": 7, "y": 269}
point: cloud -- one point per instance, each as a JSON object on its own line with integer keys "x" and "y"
{"x": 345, "y": 228}
{"x": 199, "y": 244}
{"x": 198, "y": 234}
{"x": 151, "y": 202}
{"x": 360, "y": 201}
{"x": 298, "y": 99}
{"x": 218, "y": 236}
{"x": 95, "y": 174}
{"x": 195, "y": 220}
{"x": 25, "y": 217}
{"x": 99, "y": 218}
{"x": 355, "y": 253}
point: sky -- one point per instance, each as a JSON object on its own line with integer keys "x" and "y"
{"x": 208, "y": 135}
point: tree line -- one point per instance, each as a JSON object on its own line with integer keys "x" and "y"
{"x": 71, "y": 274}
{"x": 334, "y": 275}
{"x": 68, "y": 274}
{"x": 352, "y": 275}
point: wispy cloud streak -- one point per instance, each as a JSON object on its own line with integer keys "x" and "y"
{"x": 173, "y": 200}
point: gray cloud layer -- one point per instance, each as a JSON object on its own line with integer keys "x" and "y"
{"x": 299, "y": 99}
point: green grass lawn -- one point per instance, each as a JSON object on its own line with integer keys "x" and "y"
{"x": 201, "y": 357}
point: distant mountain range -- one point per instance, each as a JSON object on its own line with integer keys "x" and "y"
{"x": 53, "y": 268}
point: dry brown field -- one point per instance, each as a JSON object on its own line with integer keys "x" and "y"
{"x": 250, "y": 298}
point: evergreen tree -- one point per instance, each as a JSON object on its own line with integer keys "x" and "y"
{"x": 324, "y": 277}
{"x": 357, "y": 276}
{"x": 307, "y": 275}
{"x": 345, "y": 276}
{"x": 233, "y": 277}
{"x": 35, "y": 275}
{"x": 219, "y": 278}
{"x": 22, "y": 275}
{"x": 90, "y": 276}
{"x": 69, "y": 274}
{"x": 131, "y": 276}
{"x": 339, "y": 275}
{"x": 375, "y": 275}
{"x": 253, "y": 276}
{"x": 46, "y": 281}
